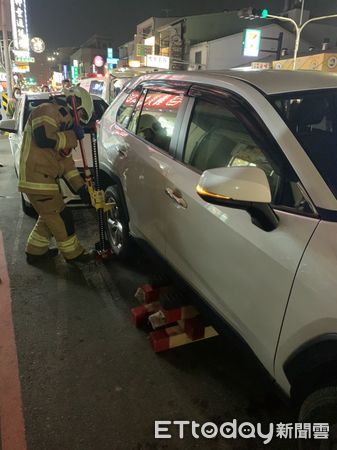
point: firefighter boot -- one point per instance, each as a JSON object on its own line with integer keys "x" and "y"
{"x": 84, "y": 258}
{"x": 35, "y": 259}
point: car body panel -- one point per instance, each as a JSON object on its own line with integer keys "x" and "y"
{"x": 312, "y": 309}
{"x": 142, "y": 175}
{"x": 232, "y": 262}
{"x": 257, "y": 281}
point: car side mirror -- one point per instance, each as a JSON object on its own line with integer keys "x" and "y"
{"x": 9, "y": 126}
{"x": 244, "y": 188}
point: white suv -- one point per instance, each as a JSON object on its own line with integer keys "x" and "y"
{"x": 232, "y": 178}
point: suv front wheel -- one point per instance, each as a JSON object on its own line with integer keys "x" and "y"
{"x": 117, "y": 227}
{"x": 320, "y": 407}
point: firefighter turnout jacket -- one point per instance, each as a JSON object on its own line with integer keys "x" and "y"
{"x": 47, "y": 134}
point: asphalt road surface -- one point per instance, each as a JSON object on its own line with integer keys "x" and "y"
{"x": 89, "y": 380}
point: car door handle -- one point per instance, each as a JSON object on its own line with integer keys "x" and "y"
{"x": 176, "y": 196}
{"x": 122, "y": 149}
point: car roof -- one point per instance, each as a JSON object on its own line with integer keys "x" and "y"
{"x": 267, "y": 81}
{"x": 38, "y": 96}
{"x": 46, "y": 96}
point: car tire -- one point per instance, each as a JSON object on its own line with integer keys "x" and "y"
{"x": 117, "y": 225}
{"x": 27, "y": 208}
{"x": 320, "y": 407}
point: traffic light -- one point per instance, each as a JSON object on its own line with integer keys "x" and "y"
{"x": 264, "y": 13}
{"x": 253, "y": 13}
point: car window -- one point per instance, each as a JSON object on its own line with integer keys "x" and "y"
{"x": 312, "y": 117}
{"x": 218, "y": 138}
{"x": 100, "y": 106}
{"x": 157, "y": 118}
{"x": 96, "y": 87}
{"x": 126, "y": 109}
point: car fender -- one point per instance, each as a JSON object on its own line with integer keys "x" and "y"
{"x": 313, "y": 365}
{"x": 308, "y": 339}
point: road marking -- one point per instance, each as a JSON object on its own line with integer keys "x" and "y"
{"x": 11, "y": 416}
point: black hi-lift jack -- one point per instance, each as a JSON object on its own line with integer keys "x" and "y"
{"x": 103, "y": 249}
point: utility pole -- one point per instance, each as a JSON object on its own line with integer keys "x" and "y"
{"x": 299, "y": 29}
{"x": 302, "y": 10}
{"x": 255, "y": 13}
{"x": 8, "y": 67}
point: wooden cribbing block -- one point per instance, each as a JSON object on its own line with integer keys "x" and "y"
{"x": 175, "y": 336}
{"x": 181, "y": 313}
{"x": 148, "y": 294}
{"x": 194, "y": 328}
{"x": 157, "y": 320}
{"x": 168, "y": 316}
{"x": 140, "y": 313}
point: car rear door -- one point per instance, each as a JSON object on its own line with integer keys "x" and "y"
{"x": 244, "y": 272}
{"x": 144, "y": 146}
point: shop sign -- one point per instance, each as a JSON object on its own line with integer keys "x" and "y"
{"x": 158, "y": 61}
{"x": 251, "y": 42}
{"x": 24, "y": 59}
{"x": 261, "y": 65}
{"x": 19, "y": 24}
{"x": 37, "y": 45}
{"x": 98, "y": 61}
{"x": 144, "y": 50}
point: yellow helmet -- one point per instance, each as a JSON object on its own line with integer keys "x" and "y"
{"x": 83, "y": 102}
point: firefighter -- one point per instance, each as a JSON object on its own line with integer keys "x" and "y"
{"x": 49, "y": 137}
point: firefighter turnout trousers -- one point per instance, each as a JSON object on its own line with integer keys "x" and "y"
{"x": 54, "y": 220}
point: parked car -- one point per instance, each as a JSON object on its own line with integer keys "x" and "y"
{"x": 23, "y": 108}
{"x": 106, "y": 88}
{"x": 231, "y": 177}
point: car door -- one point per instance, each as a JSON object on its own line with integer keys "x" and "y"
{"x": 244, "y": 272}
{"x": 144, "y": 153}
{"x": 15, "y": 139}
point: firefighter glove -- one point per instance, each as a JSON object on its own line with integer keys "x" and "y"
{"x": 79, "y": 131}
{"x": 84, "y": 194}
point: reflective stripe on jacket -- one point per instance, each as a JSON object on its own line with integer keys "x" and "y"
{"x": 48, "y": 131}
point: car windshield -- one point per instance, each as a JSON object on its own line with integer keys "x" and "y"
{"x": 312, "y": 117}
{"x": 96, "y": 87}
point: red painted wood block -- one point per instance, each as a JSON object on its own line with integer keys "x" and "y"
{"x": 194, "y": 328}
{"x": 139, "y": 314}
{"x": 160, "y": 341}
{"x": 181, "y": 313}
{"x": 148, "y": 294}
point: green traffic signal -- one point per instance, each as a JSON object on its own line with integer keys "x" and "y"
{"x": 253, "y": 13}
{"x": 264, "y": 13}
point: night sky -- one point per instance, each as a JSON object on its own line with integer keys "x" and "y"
{"x": 70, "y": 22}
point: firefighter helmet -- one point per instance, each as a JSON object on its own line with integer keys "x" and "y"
{"x": 83, "y": 102}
